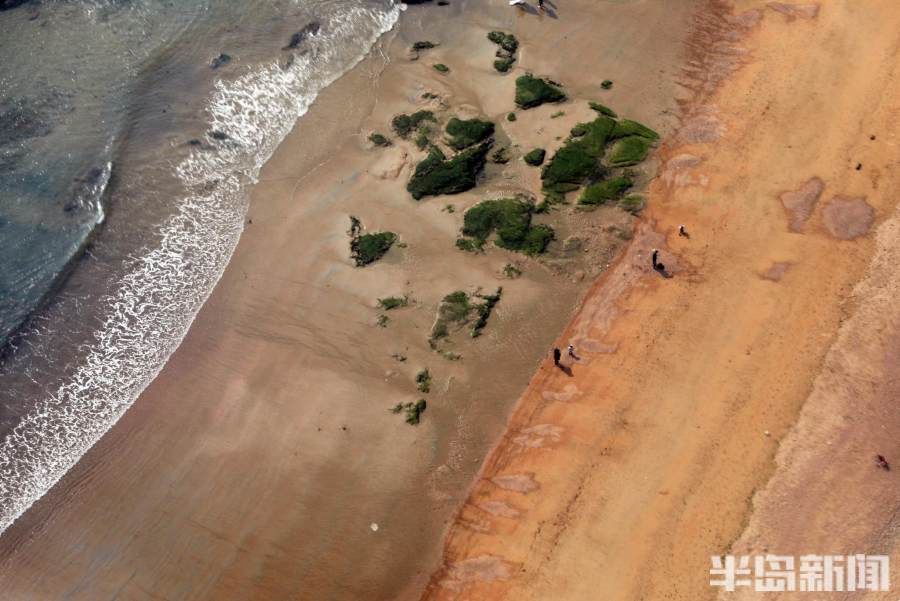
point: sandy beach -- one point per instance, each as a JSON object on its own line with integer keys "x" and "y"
{"x": 735, "y": 405}
{"x": 264, "y": 462}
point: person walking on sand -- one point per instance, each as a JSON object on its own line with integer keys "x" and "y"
{"x": 571, "y": 351}
{"x": 654, "y": 258}
{"x": 557, "y": 355}
{"x": 541, "y": 5}
{"x": 683, "y": 232}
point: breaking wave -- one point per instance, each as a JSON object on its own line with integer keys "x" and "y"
{"x": 165, "y": 286}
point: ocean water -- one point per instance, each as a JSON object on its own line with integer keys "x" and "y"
{"x": 130, "y": 131}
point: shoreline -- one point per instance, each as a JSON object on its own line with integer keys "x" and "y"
{"x": 222, "y": 416}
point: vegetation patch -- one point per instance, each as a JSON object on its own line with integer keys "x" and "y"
{"x": 413, "y": 411}
{"x": 627, "y": 127}
{"x": 579, "y": 158}
{"x": 453, "y": 310}
{"x": 393, "y": 302}
{"x": 535, "y": 157}
{"x": 503, "y": 65}
{"x": 510, "y": 218}
{"x": 406, "y": 124}
{"x": 603, "y": 110}
{"x": 500, "y": 156}
{"x": 533, "y": 91}
{"x": 569, "y": 168}
{"x": 441, "y": 67}
{"x": 368, "y": 248}
{"x": 378, "y": 139}
{"x": 607, "y": 84}
{"x": 436, "y": 174}
{"x": 602, "y": 192}
{"x": 483, "y": 310}
{"x": 466, "y": 132}
{"x": 458, "y": 309}
{"x": 422, "y": 140}
{"x": 506, "y": 41}
{"x": 423, "y": 45}
{"x": 629, "y": 151}
{"x": 423, "y": 381}
{"x": 510, "y": 117}
{"x": 382, "y": 321}
{"x": 506, "y": 55}
{"x": 511, "y": 272}
{"x": 632, "y": 203}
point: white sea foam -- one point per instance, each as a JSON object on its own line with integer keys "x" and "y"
{"x": 165, "y": 287}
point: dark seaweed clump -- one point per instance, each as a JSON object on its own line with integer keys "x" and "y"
{"x": 437, "y": 174}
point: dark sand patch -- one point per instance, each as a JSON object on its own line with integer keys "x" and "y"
{"x": 848, "y": 217}
{"x": 801, "y": 202}
{"x": 776, "y": 271}
{"x": 793, "y": 11}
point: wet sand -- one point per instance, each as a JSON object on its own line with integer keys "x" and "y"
{"x": 258, "y": 461}
{"x": 619, "y": 480}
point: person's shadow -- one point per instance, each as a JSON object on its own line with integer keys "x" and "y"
{"x": 661, "y": 270}
{"x": 565, "y": 369}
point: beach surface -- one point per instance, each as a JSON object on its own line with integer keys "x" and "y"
{"x": 263, "y": 462}
{"x": 739, "y": 405}
{"x": 736, "y": 405}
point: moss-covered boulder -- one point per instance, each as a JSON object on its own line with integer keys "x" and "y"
{"x": 406, "y": 124}
{"x": 535, "y": 157}
{"x": 463, "y": 133}
{"x": 510, "y": 218}
{"x": 437, "y": 174}
{"x": 605, "y": 191}
{"x": 533, "y": 91}
{"x": 629, "y": 151}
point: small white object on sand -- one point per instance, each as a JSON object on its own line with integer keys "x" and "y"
{"x": 374, "y": 527}
{"x": 517, "y": 2}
